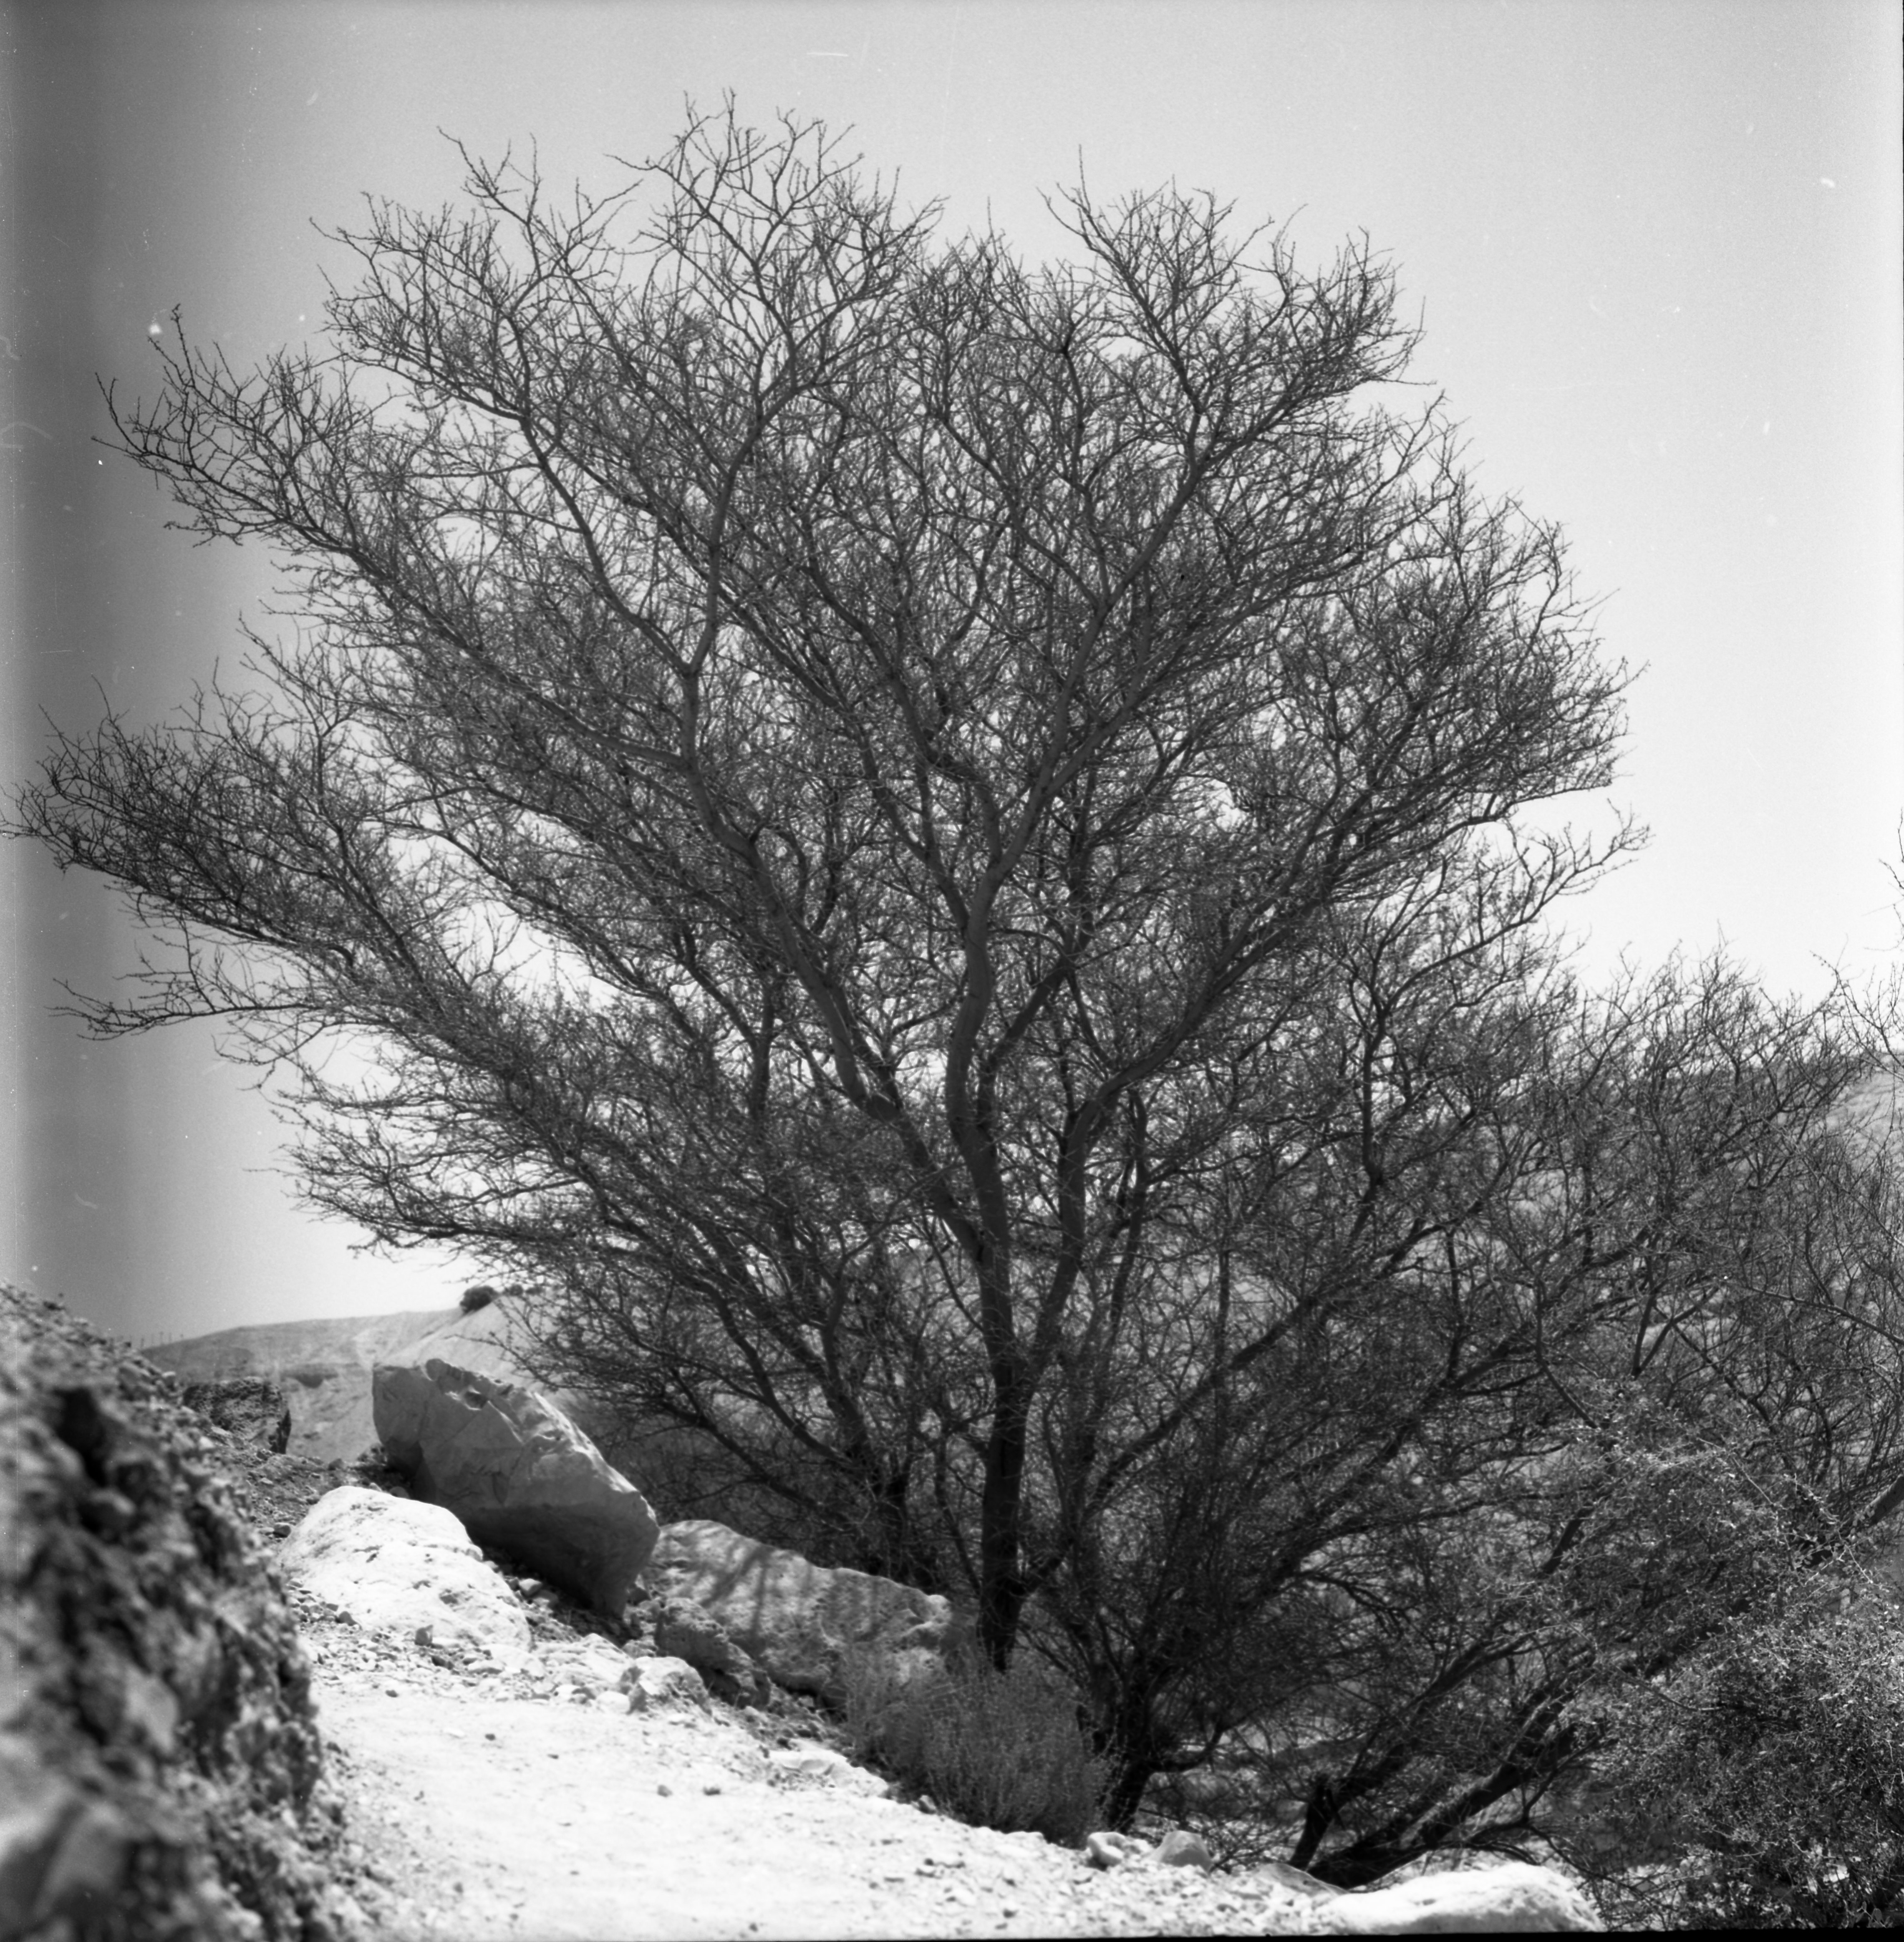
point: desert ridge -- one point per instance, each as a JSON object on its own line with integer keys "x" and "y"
{"x": 323, "y": 1366}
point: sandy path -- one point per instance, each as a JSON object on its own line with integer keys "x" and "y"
{"x": 497, "y": 1819}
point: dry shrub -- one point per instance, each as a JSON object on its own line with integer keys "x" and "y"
{"x": 1774, "y": 1761}
{"x": 1243, "y": 1816}
{"x": 1002, "y": 1749}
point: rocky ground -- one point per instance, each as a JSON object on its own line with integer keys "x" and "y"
{"x": 480, "y": 1810}
{"x": 160, "y": 1761}
{"x": 532, "y": 1804}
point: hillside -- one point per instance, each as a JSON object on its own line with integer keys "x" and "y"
{"x": 322, "y": 1366}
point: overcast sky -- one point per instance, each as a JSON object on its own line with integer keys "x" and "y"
{"x": 1654, "y": 248}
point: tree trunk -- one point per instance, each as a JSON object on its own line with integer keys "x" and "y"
{"x": 1131, "y": 1772}
{"x": 1001, "y": 1583}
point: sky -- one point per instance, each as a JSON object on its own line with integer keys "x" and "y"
{"x": 1653, "y": 249}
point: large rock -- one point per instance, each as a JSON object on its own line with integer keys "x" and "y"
{"x": 161, "y": 1770}
{"x": 1505, "y": 1897}
{"x": 396, "y": 1566}
{"x": 519, "y": 1474}
{"x": 797, "y": 1620}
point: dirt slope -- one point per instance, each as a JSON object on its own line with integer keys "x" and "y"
{"x": 479, "y": 1815}
{"x": 480, "y": 1805}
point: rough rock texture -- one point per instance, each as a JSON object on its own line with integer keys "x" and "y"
{"x": 662, "y": 1681}
{"x": 685, "y": 1631}
{"x": 323, "y": 1368}
{"x": 805, "y": 1761}
{"x": 520, "y": 1475}
{"x": 398, "y": 1565}
{"x": 1508, "y": 1897}
{"x": 271, "y": 1491}
{"x": 160, "y": 1763}
{"x": 589, "y": 1662}
{"x": 795, "y": 1619}
{"x": 251, "y": 1408}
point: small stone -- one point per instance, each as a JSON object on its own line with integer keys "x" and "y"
{"x": 1108, "y": 1850}
{"x": 668, "y": 1681}
{"x": 1180, "y": 1848}
{"x": 664, "y": 1788}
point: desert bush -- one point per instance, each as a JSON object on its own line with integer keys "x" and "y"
{"x": 1003, "y": 1749}
{"x": 1775, "y": 1764}
{"x": 479, "y": 1297}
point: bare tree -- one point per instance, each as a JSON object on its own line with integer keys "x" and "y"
{"x": 879, "y": 813}
{"x": 1645, "y": 1387}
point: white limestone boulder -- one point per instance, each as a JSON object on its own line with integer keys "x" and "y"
{"x": 796, "y": 1620}
{"x": 1501, "y": 1897}
{"x": 396, "y": 1565}
{"x": 518, "y": 1472}
{"x": 1507, "y": 1897}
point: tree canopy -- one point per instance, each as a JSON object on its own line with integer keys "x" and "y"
{"x": 951, "y": 856}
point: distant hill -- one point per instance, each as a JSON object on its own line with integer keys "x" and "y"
{"x": 323, "y": 1366}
